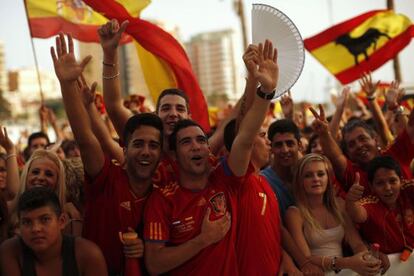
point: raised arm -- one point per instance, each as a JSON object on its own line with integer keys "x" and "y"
{"x": 250, "y": 59}
{"x": 110, "y": 35}
{"x": 160, "y": 258}
{"x": 53, "y": 122}
{"x": 12, "y": 179}
{"x": 340, "y": 107}
{"x": 392, "y": 99}
{"x": 99, "y": 127}
{"x": 43, "y": 118}
{"x": 68, "y": 70}
{"x": 288, "y": 108}
{"x": 370, "y": 89}
{"x": 329, "y": 146}
{"x": 267, "y": 74}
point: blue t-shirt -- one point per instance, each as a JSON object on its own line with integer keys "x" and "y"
{"x": 283, "y": 194}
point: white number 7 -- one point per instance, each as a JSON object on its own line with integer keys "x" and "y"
{"x": 264, "y": 196}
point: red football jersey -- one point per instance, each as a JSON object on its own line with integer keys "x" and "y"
{"x": 258, "y": 228}
{"x": 402, "y": 151}
{"x": 111, "y": 207}
{"x": 175, "y": 214}
{"x": 389, "y": 228}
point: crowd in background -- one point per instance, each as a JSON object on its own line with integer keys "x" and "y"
{"x": 298, "y": 192}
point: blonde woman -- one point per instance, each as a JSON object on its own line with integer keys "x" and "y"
{"x": 318, "y": 222}
{"x": 44, "y": 168}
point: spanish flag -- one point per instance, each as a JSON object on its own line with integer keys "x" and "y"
{"x": 164, "y": 62}
{"x": 361, "y": 44}
{"x": 49, "y": 17}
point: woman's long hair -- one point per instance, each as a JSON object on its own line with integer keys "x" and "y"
{"x": 300, "y": 195}
{"x": 60, "y": 187}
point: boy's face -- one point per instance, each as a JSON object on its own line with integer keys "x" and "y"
{"x": 41, "y": 228}
{"x": 386, "y": 185}
{"x": 172, "y": 108}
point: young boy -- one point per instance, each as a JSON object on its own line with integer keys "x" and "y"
{"x": 42, "y": 249}
{"x": 387, "y": 216}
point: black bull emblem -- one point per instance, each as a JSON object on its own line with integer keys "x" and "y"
{"x": 360, "y": 45}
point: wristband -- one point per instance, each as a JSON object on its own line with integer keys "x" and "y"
{"x": 371, "y": 98}
{"x": 108, "y": 64}
{"x": 333, "y": 265}
{"x": 265, "y": 96}
{"x": 110, "y": 77}
{"x": 76, "y": 220}
{"x": 10, "y": 156}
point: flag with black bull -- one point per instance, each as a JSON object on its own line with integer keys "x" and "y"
{"x": 361, "y": 44}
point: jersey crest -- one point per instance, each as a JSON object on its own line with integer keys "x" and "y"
{"x": 218, "y": 201}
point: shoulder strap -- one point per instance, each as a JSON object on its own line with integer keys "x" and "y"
{"x": 69, "y": 266}
{"x": 28, "y": 264}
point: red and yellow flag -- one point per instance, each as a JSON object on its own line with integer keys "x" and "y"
{"x": 361, "y": 44}
{"x": 49, "y": 17}
{"x": 163, "y": 60}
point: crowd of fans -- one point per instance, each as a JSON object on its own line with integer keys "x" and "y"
{"x": 135, "y": 192}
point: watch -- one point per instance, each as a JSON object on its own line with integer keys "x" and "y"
{"x": 263, "y": 95}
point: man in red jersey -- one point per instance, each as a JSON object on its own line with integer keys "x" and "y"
{"x": 360, "y": 147}
{"x": 187, "y": 223}
{"x": 115, "y": 195}
{"x": 258, "y": 208}
{"x": 172, "y": 104}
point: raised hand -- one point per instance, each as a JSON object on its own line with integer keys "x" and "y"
{"x": 356, "y": 191}
{"x": 51, "y": 116}
{"x": 67, "y": 69}
{"x": 367, "y": 85}
{"x": 5, "y": 141}
{"x": 110, "y": 35}
{"x": 43, "y": 113}
{"x": 251, "y": 58}
{"x": 320, "y": 124}
{"x": 286, "y": 102}
{"x": 394, "y": 95}
{"x": 268, "y": 71}
{"x": 343, "y": 98}
{"x": 87, "y": 94}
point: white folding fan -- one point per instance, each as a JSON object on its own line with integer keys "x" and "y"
{"x": 270, "y": 23}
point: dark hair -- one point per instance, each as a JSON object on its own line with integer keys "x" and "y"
{"x": 312, "y": 139}
{"x": 386, "y": 162}
{"x": 68, "y": 145}
{"x": 142, "y": 119}
{"x": 350, "y": 126}
{"x": 178, "y": 126}
{"x": 283, "y": 126}
{"x": 173, "y": 91}
{"x": 36, "y": 135}
{"x": 229, "y": 134}
{"x": 38, "y": 197}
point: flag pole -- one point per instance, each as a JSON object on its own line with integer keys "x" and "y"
{"x": 34, "y": 55}
{"x": 238, "y": 6}
{"x": 396, "y": 60}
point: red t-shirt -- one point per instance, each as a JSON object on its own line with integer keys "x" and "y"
{"x": 258, "y": 228}
{"x": 402, "y": 151}
{"x": 389, "y": 227}
{"x": 174, "y": 215}
{"x": 111, "y": 207}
